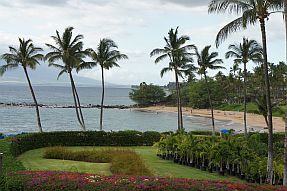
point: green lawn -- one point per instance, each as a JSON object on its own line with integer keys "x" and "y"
{"x": 33, "y": 160}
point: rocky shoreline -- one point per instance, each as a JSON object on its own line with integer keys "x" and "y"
{"x": 67, "y": 106}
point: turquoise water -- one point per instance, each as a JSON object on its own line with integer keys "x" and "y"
{"x": 23, "y": 119}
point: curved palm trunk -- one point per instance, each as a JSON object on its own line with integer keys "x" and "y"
{"x": 285, "y": 140}
{"x": 102, "y": 102}
{"x": 75, "y": 101}
{"x": 269, "y": 106}
{"x": 179, "y": 110}
{"x": 35, "y": 101}
{"x": 210, "y": 104}
{"x": 80, "y": 107}
{"x": 245, "y": 92}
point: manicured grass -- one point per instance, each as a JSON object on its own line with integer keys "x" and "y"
{"x": 33, "y": 160}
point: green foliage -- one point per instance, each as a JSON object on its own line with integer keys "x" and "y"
{"x": 23, "y": 143}
{"x": 147, "y": 94}
{"x": 243, "y": 156}
{"x": 10, "y": 163}
{"x": 127, "y": 162}
{"x": 123, "y": 161}
{"x": 198, "y": 95}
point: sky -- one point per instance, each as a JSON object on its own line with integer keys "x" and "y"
{"x": 137, "y": 27}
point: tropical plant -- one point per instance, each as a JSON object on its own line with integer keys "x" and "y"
{"x": 180, "y": 58}
{"x": 26, "y": 56}
{"x": 285, "y": 141}
{"x": 207, "y": 60}
{"x": 147, "y": 94}
{"x": 248, "y": 50}
{"x": 252, "y": 11}
{"x": 107, "y": 56}
{"x": 70, "y": 52}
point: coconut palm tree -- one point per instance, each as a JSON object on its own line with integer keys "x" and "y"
{"x": 107, "y": 56}
{"x": 285, "y": 140}
{"x": 70, "y": 52}
{"x": 26, "y": 56}
{"x": 252, "y": 11}
{"x": 176, "y": 51}
{"x": 248, "y": 50}
{"x": 207, "y": 60}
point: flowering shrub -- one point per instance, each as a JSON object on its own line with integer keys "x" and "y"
{"x": 54, "y": 181}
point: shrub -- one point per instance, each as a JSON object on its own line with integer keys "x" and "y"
{"x": 147, "y": 94}
{"x": 128, "y": 162}
{"x": 10, "y": 163}
{"x": 23, "y": 143}
{"x": 123, "y": 161}
{"x": 56, "y": 181}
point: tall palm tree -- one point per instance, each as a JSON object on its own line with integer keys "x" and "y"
{"x": 207, "y": 60}
{"x": 107, "y": 56}
{"x": 70, "y": 52}
{"x": 26, "y": 56}
{"x": 285, "y": 140}
{"x": 248, "y": 50}
{"x": 252, "y": 11}
{"x": 176, "y": 51}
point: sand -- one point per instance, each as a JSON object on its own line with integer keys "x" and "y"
{"x": 237, "y": 117}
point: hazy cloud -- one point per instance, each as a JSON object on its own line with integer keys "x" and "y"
{"x": 190, "y": 3}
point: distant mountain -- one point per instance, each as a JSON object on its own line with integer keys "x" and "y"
{"x": 45, "y": 76}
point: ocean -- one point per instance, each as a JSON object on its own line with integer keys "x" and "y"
{"x": 17, "y": 119}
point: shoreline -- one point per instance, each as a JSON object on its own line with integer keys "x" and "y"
{"x": 234, "y": 116}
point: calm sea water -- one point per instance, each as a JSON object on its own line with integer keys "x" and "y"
{"x": 22, "y": 119}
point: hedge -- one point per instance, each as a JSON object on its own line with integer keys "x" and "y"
{"x": 10, "y": 164}
{"x": 26, "y": 142}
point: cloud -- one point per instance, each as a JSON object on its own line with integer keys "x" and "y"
{"x": 190, "y": 3}
{"x": 28, "y": 3}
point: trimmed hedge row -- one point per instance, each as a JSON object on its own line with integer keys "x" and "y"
{"x": 10, "y": 164}
{"x": 26, "y": 142}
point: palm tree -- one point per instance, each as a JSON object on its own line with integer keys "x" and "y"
{"x": 207, "y": 60}
{"x": 70, "y": 52}
{"x": 176, "y": 51}
{"x": 248, "y": 50}
{"x": 252, "y": 11}
{"x": 285, "y": 140}
{"x": 27, "y": 56}
{"x": 107, "y": 57}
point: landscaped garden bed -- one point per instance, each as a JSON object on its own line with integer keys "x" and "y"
{"x": 54, "y": 181}
{"x": 88, "y": 164}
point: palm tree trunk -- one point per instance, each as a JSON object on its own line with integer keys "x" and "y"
{"x": 75, "y": 100}
{"x": 80, "y": 107}
{"x": 210, "y": 104}
{"x": 285, "y": 140}
{"x": 102, "y": 102}
{"x": 35, "y": 100}
{"x": 269, "y": 106}
{"x": 178, "y": 103}
{"x": 180, "y": 107}
{"x": 245, "y": 92}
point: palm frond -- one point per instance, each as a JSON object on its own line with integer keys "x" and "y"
{"x": 165, "y": 70}
{"x": 7, "y": 67}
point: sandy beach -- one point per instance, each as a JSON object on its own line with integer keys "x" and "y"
{"x": 252, "y": 119}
